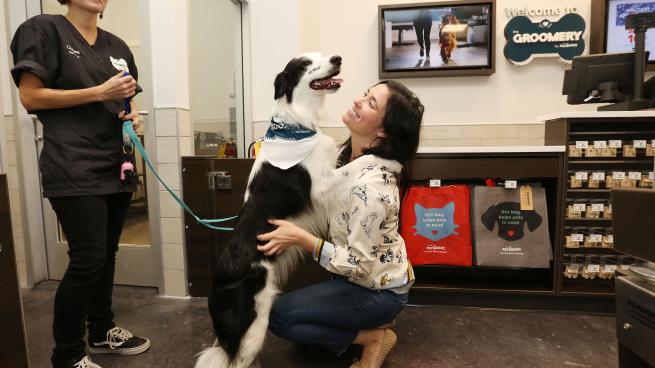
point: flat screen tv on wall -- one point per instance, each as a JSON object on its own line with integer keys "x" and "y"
{"x": 608, "y": 33}
{"x": 440, "y": 39}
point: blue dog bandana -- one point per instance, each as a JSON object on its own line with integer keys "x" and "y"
{"x": 286, "y": 145}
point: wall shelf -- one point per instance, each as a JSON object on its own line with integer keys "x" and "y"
{"x": 569, "y": 128}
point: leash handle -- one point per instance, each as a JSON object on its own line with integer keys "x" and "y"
{"x": 127, "y": 129}
{"x": 128, "y": 105}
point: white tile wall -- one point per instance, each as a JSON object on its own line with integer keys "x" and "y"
{"x": 171, "y": 230}
{"x": 166, "y": 122}
{"x": 532, "y": 131}
{"x": 173, "y": 256}
{"x": 508, "y": 142}
{"x": 168, "y": 207}
{"x": 175, "y": 282}
{"x": 170, "y": 174}
{"x": 21, "y": 267}
{"x": 14, "y": 202}
{"x": 173, "y": 141}
{"x": 19, "y": 248}
{"x": 12, "y": 177}
{"x": 11, "y": 152}
{"x": 9, "y": 129}
{"x": 468, "y": 135}
{"x": 186, "y": 146}
{"x": 490, "y": 131}
{"x": 167, "y": 150}
{"x": 441, "y": 132}
{"x": 468, "y": 142}
{"x": 184, "y": 122}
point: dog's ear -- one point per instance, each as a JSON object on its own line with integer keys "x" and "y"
{"x": 281, "y": 84}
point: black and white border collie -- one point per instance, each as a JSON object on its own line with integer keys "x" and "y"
{"x": 283, "y": 184}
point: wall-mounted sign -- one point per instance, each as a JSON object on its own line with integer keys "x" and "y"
{"x": 539, "y": 12}
{"x": 527, "y": 40}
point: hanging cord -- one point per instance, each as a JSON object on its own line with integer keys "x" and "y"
{"x": 127, "y": 129}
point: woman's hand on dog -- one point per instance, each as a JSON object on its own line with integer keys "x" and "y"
{"x": 286, "y": 235}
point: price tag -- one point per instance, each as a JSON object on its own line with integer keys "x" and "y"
{"x": 526, "y": 199}
{"x": 510, "y": 184}
{"x": 597, "y": 207}
{"x": 579, "y": 207}
{"x": 618, "y": 175}
{"x": 641, "y": 143}
{"x": 577, "y": 237}
{"x": 652, "y": 143}
{"x": 581, "y": 144}
{"x": 615, "y": 143}
{"x": 651, "y": 175}
{"x": 435, "y": 183}
{"x": 595, "y": 238}
{"x": 593, "y": 268}
{"x": 599, "y": 176}
{"x": 634, "y": 175}
{"x": 610, "y": 268}
{"x": 610, "y": 238}
{"x": 600, "y": 144}
{"x": 581, "y": 175}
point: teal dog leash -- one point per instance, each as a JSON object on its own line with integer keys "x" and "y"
{"x": 127, "y": 129}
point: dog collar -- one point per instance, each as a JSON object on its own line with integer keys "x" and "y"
{"x": 279, "y": 130}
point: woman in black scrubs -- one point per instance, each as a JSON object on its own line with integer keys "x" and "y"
{"x": 71, "y": 74}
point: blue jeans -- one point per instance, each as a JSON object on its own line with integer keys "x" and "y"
{"x": 332, "y": 313}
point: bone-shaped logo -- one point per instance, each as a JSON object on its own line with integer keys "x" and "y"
{"x": 527, "y": 40}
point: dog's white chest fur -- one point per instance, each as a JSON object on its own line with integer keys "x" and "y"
{"x": 319, "y": 164}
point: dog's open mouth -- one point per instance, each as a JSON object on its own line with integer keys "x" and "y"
{"x": 328, "y": 83}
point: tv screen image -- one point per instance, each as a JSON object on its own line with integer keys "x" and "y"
{"x": 437, "y": 37}
{"x": 619, "y": 39}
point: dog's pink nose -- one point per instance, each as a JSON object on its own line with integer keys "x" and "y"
{"x": 336, "y": 59}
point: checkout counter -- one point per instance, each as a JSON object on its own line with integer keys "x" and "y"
{"x": 634, "y": 234}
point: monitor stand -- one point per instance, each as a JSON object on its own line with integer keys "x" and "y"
{"x": 640, "y": 23}
{"x": 631, "y": 105}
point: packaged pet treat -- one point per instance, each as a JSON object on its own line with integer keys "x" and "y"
{"x": 629, "y": 150}
{"x": 593, "y": 152}
{"x": 646, "y": 180}
{"x": 574, "y": 151}
{"x": 611, "y": 182}
{"x": 650, "y": 150}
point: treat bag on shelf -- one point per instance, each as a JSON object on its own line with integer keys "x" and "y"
{"x": 509, "y": 233}
{"x": 435, "y": 224}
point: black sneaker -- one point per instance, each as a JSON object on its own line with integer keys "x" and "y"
{"x": 85, "y": 362}
{"x": 120, "y": 341}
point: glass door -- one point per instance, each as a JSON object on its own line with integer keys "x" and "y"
{"x": 215, "y": 63}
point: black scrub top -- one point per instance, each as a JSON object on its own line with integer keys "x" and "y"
{"x": 82, "y": 150}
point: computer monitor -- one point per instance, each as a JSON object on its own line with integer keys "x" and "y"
{"x": 603, "y": 78}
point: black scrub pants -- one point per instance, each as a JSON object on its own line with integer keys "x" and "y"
{"x": 423, "y": 27}
{"x": 93, "y": 226}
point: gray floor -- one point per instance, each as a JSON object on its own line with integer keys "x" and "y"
{"x": 407, "y": 57}
{"x": 428, "y": 336}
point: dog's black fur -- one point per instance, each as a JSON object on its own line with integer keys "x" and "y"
{"x": 240, "y": 273}
{"x": 275, "y": 193}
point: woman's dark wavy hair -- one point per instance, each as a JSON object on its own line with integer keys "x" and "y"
{"x": 63, "y": 2}
{"x": 401, "y": 124}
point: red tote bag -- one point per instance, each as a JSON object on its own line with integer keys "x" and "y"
{"x": 436, "y": 227}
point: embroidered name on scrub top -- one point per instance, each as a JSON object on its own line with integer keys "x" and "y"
{"x": 510, "y": 219}
{"x": 286, "y": 145}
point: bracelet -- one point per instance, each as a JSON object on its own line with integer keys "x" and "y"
{"x": 318, "y": 240}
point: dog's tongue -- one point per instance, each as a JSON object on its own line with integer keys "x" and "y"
{"x": 328, "y": 83}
